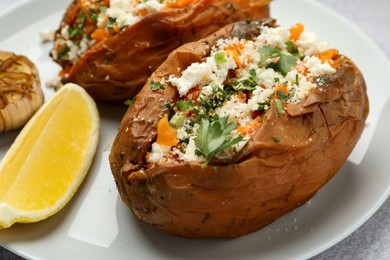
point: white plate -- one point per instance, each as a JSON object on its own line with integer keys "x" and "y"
{"x": 97, "y": 225}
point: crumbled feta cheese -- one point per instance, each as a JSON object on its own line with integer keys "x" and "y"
{"x": 126, "y": 12}
{"x": 157, "y": 153}
{"x": 47, "y": 36}
{"x": 260, "y": 95}
{"x": 236, "y": 110}
{"x": 266, "y": 77}
{"x": 189, "y": 155}
{"x": 181, "y": 133}
{"x": 151, "y": 6}
{"x": 275, "y": 37}
{"x": 316, "y": 67}
{"x": 310, "y": 45}
{"x": 195, "y": 74}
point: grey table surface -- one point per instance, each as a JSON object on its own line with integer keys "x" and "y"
{"x": 372, "y": 239}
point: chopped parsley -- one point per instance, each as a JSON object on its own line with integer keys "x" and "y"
{"x": 276, "y": 139}
{"x": 263, "y": 107}
{"x": 94, "y": 16}
{"x": 212, "y": 137}
{"x": 219, "y": 95}
{"x": 129, "y": 102}
{"x": 185, "y": 105}
{"x": 230, "y": 6}
{"x": 297, "y": 80}
{"x": 78, "y": 27}
{"x": 63, "y": 52}
{"x": 220, "y": 58}
{"x": 291, "y": 47}
{"x": 110, "y": 22}
{"x": 249, "y": 83}
{"x": 281, "y": 61}
{"x": 156, "y": 85}
{"x": 281, "y": 96}
{"x": 279, "y": 106}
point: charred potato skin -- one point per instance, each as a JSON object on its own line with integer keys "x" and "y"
{"x": 265, "y": 182}
{"x": 115, "y": 70}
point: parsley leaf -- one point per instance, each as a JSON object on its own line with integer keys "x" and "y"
{"x": 291, "y": 47}
{"x": 93, "y": 15}
{"x": 220, "y": 58}
{"x": 110, "y": 22}
{"x": 213, "y": 137}
{"x": 185, "y": 105}
{"x": 156, "y": 85}
{"x": 230, "y": 6}
{"x": 129, "y": 102}
{"x": 249, "y": 83}
{"x": 284, "y": 61}
{"x": 279, "y": 106}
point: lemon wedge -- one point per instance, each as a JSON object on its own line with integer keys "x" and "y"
{"x": 50, "y": 157}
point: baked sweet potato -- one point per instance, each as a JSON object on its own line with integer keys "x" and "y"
{"x": 112, "y": 59}
{"x": 225, "y": 155}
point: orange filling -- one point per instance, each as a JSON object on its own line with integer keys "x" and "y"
{"x": 296, "y": 31}
{"x": 249, "y": 129}
{"x": 166, "y": 134}
{"x": 177, "y": 3}
{"x": 330, "y": 57}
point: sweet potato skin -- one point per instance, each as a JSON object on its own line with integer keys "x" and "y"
{"x": 115, "y": 69}
{"x": 266, "y": 181}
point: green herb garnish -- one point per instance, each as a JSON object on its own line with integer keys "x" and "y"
{"x": 212, "y": 137}
{"x": 94, "y": 16}
{"x": 296, "y": 80}
{"x": 276, "y": 139}
{"x": 263, "y": 107}
{"x": 185, "y": 105}
{"x": 291, "y": 47}
{"x": 81, "y": 18}
{"x": 62, "y": 52}
{"x": 78, "y": 26}
{"x": 230, "y": 6}
{"x": 129, "y": 102}
{"x": 279, "y": 106}
{"x": 177, "y": 120}
{"x": 156, "y": 85}
{"x": 281, "y": 96}
{"x": 220, "y": 58}
{"x": 73, "y": 32}
{"x": 249, "y": 83}
{"x": 283, "y": 63}
{"x": 110, "y": 22}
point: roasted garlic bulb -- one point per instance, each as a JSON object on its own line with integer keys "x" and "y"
{"x": 20, "y": 90}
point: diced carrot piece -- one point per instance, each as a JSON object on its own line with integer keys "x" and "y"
{"x": 328, "y": 55}
{"x": 166, "y": 134}
{"x": 241, "y": 97}
{"x": 177, "y": 3}
{"x": 143, "y": 12}
{"x": 249, "y": 129}
{"x": 99, "y": 35}
{"x": 193, "y": 94}
{"x": 234, "y": 51}
{"x": 278, "y": 88}
{"x": 296, "y": 31}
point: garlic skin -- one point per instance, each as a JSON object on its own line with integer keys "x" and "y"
{"x": 20, "y": 90}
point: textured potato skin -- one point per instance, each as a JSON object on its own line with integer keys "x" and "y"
{"x": 265, "y": 181}
{"x": 115, "y": 69}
